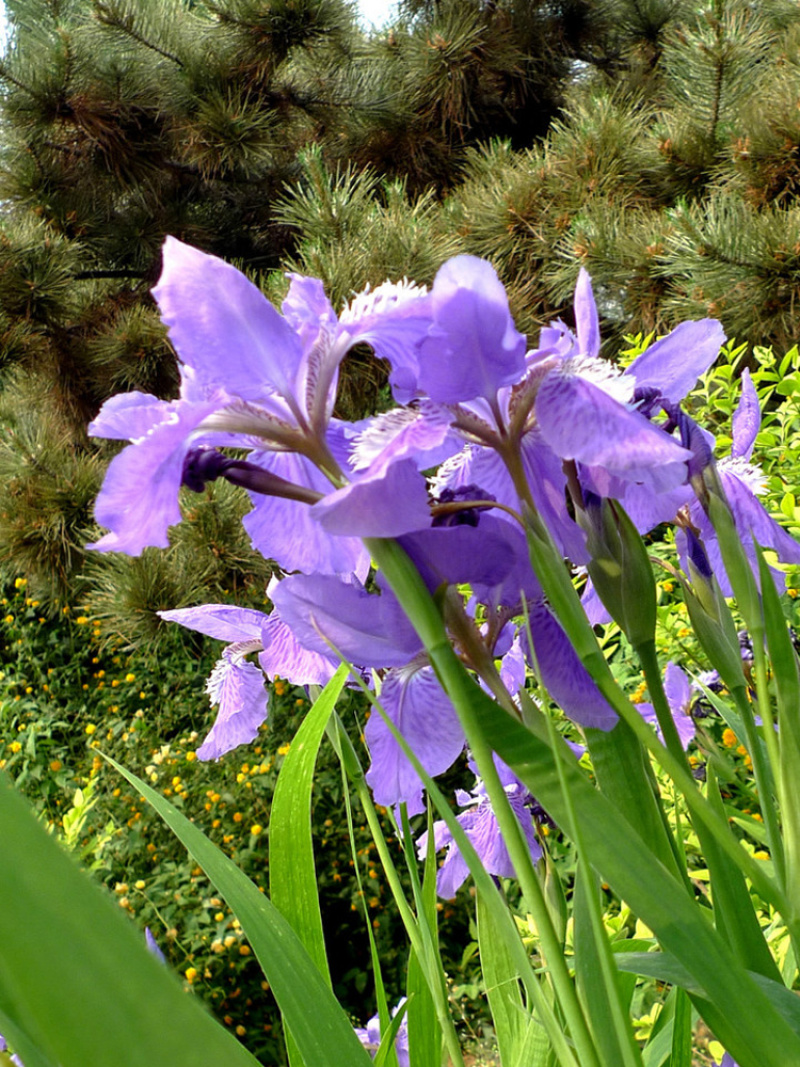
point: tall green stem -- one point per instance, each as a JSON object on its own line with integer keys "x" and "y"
{"x": 408, "y": 586}
{"x": 418, "y": 933}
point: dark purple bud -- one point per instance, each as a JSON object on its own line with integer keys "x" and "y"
{"x": 699, "y": 772}
{"x": 692, "y": 437}
{"x": 460, "y": 514}
{"x": 746, "y": 645}
{"x": 697, "y": 554}
{"x": 203, "y": 465}
{"x": 647, "y": 399}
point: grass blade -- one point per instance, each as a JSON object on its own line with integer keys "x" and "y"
{"x": 76, "y": 978}
{"x": 324, "y": 1035}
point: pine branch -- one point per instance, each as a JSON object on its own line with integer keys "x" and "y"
{"x": 122, "y": 272}
{"x": 108, "y": 17}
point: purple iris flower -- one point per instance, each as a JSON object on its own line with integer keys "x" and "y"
{"x": 560, "y": 402}
{"x": 257, "y": 379}
{"x": 479, "y": 823}
{"x": 678, "y": 691}
{"x": 742, "y": 482}
{"x": 236, "y": 685}
{"x": 563, "y": 675}
{"x": 727, "y": 1061}
{"x": 370, "y": 1037}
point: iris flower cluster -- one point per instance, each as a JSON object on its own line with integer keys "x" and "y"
{"x": 510, "y": 431}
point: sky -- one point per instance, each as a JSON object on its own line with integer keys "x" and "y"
{"x": 376, "y": 11}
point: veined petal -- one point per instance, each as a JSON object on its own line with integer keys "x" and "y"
{"x": 223, "y": 327}
{"x": 128, "y": 416}
{"x": 565, "y": 678}
{"x": 238, "y": 688}
{"x": 746, "y": 419}
{"x": 473, "y": 347}
{"x": 492, "y": 557}
{"x": 307, "y": 309}
{"x": 139, "y": 498}
{"x": 369, "y": 629}
{"x": 418, "y": 706}
{"x": 673, "y": 364}
{"x": 284, "y": 656}
{"x": 385, "y": 501}
{"x": 684, "y": 724}
{"x": 580, "y": 421}
{"x": 393, "y": 319}
{"x": 677, "y": 688}
{"x": 422, "y": 433}
{"x": 287, "y": 531}
{"x": 587, "y": 324}
{"x": 225, "y": 622}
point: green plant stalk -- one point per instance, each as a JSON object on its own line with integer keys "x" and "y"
{"x": 483, "y": 881}
{"x": 748, "y": 598}
{"x": 619, "y": 1021}
{"x": 380, "y": 990}
{"x": 493, "y": 898}
{"x": 765, "y": 783}
{"x": 401, "y": 574}
{"x": 646, "y": 651}
{"x": 416, "y": 933}
{"x": 557, "y": 585}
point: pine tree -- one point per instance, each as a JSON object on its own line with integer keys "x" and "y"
{"x": 125, "y": 120}
{"x": 656, "y": 142}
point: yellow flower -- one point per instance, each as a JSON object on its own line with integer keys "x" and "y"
{"x": 55, "y": 765}
{"x": 191, "y": 974}
{"x": 90, "y": 728}
{"x": 8, "y": 619}
{"x": 81, "y": 620}
{"x": 20, "y": 583}
{"x": 283, "y": 750}
{"x": 256, "y": 829}
{"x": 729, "y": 738}
{"x": 237, "y": 816}
{"x": 15, "y": 746}
{"x": 130, "y": 677}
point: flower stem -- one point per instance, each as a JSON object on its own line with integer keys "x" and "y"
{"x": 412, "y": 594}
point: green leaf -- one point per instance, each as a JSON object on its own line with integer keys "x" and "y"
{"x": 664, "y": 967}
{"x": 511, "y": 1019}
{"x": 76, "y": 979}
{"x": 681, "y": 1052}
{"x": 734, "y": 916}
{"x": 624, "y": 861}
{"x": 324, "y": 1035}
{"x": 597, "y": 976}
{"x": 292, "y": 874}
{"x": 424, "y": 1029}
{"x": 625, "y": 775}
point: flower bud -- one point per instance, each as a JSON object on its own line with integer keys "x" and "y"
{"x": 619, "y": 568}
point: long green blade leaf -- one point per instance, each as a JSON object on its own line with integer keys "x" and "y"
{"x": 292, "y": 874}
{"x": 76, "y": 979}
{"x": 321, "y": 1029}
{"x": 653, "y": 893}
